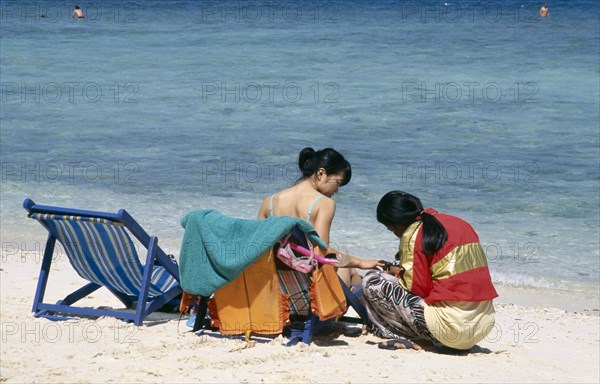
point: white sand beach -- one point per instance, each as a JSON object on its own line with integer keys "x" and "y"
{"x": 538, "y": 338}
{"x": 484, "y": 110}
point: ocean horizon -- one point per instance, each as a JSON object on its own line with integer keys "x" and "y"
{"x": 484, "y": 110}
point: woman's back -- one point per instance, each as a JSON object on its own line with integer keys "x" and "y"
{"x": 303, "y": 202}
{"x": 323, "y": 173}
{"x": 291, "y": 202}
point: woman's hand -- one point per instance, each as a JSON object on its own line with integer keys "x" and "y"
{"x": 395, "y": 270}
{"x": 345, "y": 260}
{"x": 369, "y": 263}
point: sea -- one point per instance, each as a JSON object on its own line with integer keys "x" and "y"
{"x": 482, "y": 109}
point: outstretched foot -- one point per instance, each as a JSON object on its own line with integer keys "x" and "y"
{"x": 402, "y": 343}
{"x": 364, "y": 330}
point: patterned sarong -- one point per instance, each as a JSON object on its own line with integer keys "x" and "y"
{"x": 394, "y": 311}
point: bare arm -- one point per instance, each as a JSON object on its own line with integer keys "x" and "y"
{"x": 357, "y": 262}
{"x": 263, "y": 212}
{"x": 323, "y": 225}
{"x": 323, "y": 217}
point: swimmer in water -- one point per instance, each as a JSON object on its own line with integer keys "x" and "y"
{"x": 544, "y": 11}
{"x": 78, "y": 13}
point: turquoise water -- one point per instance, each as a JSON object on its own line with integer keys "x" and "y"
{"x": 483, "y": 110}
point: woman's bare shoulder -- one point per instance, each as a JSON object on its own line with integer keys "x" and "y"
{"x": 325, "y": 205}
{"x": 263, "y": 211}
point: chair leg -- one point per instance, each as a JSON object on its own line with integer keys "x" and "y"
{"x": 44, "y": 272}
{"x": 200, "y": 321}
{"x": 140, "y": 310}
{"x": 306, "y": 334}
{"x": 79, "y": 294}
{"x": 354, "y": 302}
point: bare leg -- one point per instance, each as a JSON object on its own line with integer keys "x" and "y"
{"x": 349, "y": 276}
{"x": 355, "y": 278}
{"x": 346, "y": 275}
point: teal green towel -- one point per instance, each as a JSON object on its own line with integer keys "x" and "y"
{"x": 216, "y": 249}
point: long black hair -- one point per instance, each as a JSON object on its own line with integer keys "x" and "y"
{"x": 401, "y": 208}
{"x": 310, "y": 161}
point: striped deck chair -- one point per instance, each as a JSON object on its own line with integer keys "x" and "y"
{"x": 100, "y": 249}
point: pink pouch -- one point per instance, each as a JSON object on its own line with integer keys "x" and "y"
{"x": 287, "y": 254}
{"x": 300, "y": 249}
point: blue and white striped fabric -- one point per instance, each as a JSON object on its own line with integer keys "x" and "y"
{"x": 101, "y": 251}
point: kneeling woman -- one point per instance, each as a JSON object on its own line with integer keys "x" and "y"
{"x": 440, "y": 289}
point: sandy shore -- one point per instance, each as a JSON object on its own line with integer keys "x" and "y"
{"x": 539, "y": 337}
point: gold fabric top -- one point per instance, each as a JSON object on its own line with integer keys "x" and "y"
{"x": 459, "y": 324}
{"x": 407, "y": 252}
{"x": 462, "y": 258}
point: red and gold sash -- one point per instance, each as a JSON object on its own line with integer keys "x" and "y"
{"x": 456, "y": 272}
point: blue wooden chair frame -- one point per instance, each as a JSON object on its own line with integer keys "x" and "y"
{"x": 313, "y": 324}
{"x": 101, "y": 251}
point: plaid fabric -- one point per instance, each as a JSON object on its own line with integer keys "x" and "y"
{"x": 296, "y": 285}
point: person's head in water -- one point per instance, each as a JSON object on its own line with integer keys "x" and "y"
{"x": 327, "y": 168}
{"x": 78, "y": 12}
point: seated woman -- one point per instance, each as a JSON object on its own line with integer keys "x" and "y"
{"x": 440, "y": 290}
{"x": 310, "y": 198}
